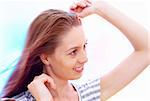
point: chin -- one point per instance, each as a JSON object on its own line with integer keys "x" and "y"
{"x": 76, "y": 77}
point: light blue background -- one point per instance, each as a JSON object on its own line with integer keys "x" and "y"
{"x": 15, "y": 19}
{"x": 14, "y": 22}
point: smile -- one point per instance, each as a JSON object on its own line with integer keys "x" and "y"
{"x": 78, "y": 69}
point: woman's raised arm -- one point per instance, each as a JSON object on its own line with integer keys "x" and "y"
{"x": 136, "y": 62}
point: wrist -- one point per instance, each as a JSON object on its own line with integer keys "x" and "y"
{"x": 101, "y": 8}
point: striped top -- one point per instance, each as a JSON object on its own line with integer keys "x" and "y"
{"x": 89, "y": 91}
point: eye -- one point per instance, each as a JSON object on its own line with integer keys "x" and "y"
{"x": 85, "y": 45}
{"x": 74, "y": 52}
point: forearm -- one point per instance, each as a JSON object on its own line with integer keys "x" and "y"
{"x": 135, "y": 63}
{"x": 123, "y": 74}
{"x": 136, "y": 34}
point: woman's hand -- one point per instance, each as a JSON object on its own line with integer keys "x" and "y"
{"x": 84, "y": 8}
{"x": 42, "y": 88}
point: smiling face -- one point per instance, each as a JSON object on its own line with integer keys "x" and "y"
{"x": 69, "y": 57}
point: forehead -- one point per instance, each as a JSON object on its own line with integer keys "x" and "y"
{"x": 74, "y": 37}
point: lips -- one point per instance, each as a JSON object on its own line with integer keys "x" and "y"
{"x": 78, "y": 69}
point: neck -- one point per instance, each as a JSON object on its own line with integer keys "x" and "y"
{"x": 63, "y": 87}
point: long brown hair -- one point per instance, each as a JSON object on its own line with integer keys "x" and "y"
{"x": 43, "y": 37}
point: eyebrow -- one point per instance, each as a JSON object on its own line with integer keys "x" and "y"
{"x": 75, "y": 47}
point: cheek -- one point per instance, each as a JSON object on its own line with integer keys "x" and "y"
{"x": 64, "y": 62}
{"x": 69, "y": 62}
{"x": 64, "y": 67}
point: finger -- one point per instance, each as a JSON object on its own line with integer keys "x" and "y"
{"x": 35, "y": 77}
{"x": 79, "y": 4}
{"x": 51, "y": 89}
{"x": 84, "y": 13}
{"x": 88, "y": 1}
{"x": 52, "y": 83}
{"x": 81, "y": 7}
{"x": 84, "y": 3}
{"x": 73, "y": 6}
{"x": 46, "y": 78}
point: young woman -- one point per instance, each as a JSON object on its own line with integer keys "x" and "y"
{"x": 55, "y": 52}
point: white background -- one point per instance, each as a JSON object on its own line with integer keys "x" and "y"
{"x": 106, "y": 48}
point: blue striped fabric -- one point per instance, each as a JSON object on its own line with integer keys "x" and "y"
{"x": 89, "y": 91}
{"x": 24, "y": 96}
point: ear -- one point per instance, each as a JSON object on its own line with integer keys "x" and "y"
{"x": 45, "y": 58}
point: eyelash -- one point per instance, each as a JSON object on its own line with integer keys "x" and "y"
{"x": 85, "y": 45}
{"x": 74, "y": 52}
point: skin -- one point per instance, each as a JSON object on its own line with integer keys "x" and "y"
{"x": 55, "y": 85}
{"x": 68, "y": 55}
{"x": 60, "y": 66}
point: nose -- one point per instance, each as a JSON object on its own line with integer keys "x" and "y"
{"x": 83, "y": 58}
